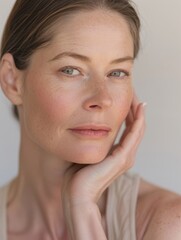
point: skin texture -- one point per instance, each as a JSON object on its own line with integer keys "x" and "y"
{"x": 92, "y": 96}
{"x": 63, "y": 174}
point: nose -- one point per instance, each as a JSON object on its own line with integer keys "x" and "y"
{"x": 99, "y": 98}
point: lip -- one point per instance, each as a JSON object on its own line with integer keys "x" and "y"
{"x": 91, "y": 130}
{"x": 92, "y": 127}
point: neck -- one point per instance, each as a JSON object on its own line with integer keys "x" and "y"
{"x": 35, "y": 194}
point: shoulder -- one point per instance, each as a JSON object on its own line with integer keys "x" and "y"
{"x": 158, "y": 213}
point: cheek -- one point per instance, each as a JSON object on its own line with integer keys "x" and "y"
{"x": 123, "y": 100}
{"x": 46, "y": 101}
{"x": 46, "y": 111}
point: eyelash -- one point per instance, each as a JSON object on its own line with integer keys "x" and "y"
{"x": 126, "y": 73}
{"x": 69, "y": 67}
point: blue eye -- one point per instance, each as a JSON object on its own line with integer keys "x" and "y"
{"x": 119, "y": 74}
{"x": 70, "y": 71}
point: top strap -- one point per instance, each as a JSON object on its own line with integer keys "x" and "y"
{"x": 3, "y": 215}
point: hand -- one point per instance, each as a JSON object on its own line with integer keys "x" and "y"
{"x": 84, "y": 185}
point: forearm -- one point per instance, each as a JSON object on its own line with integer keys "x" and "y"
{"x": 86, "y": 223}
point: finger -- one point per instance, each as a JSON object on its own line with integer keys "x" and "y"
{"x": 130, "y": 118}
{"x": 133, "y": 109}
{"x": 135, "y": 103}
{"x": 131, "y": 115}
{"x": 135, "y": 132}
{"x": 122, "y": 157}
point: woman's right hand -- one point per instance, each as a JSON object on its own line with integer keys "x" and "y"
{"x": 84, "y": 185}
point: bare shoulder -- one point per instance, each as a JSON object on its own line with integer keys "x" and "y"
{"x": 158, "y": 213}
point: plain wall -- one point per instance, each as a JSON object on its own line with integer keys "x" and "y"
{"x": 157, "y": 79}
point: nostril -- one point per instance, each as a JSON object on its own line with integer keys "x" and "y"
{"x": 98, "y": 101}
{"x": 93, "y": 106}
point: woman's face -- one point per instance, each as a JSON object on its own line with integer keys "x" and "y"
{"x": 78, "y": 90}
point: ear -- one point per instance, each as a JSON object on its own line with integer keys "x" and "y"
{"x": 11, "y": 80}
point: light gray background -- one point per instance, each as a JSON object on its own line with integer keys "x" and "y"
{"x": 157, "y": 81}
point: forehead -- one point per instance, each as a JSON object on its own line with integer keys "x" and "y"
{"x": 99, "y": 34}
{"x": 93, "y": 28}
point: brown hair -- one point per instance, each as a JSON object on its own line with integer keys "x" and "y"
{"x": 30, "y": 22}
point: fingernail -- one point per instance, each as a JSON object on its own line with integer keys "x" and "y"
{"x": 144, "y": 104}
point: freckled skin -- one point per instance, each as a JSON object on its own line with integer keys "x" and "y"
{"x": 53, "y": 102}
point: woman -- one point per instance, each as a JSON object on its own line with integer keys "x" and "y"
{"x": 66, "y": 66}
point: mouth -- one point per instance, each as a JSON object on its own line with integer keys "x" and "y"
{"x": 91, "y": 131}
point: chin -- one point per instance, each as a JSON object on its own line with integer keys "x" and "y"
{"x": 87, "y": 157}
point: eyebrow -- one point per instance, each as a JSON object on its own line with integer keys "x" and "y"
{"x": 86, "y": 59}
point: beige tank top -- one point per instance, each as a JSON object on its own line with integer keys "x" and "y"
{"x": 120, "y": 213}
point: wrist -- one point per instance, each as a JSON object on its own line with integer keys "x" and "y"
{"x": 85, "y": 222}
